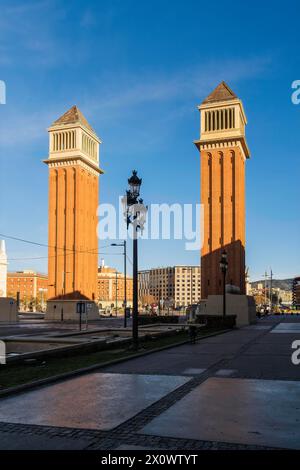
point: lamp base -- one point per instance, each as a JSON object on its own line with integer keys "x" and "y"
{"x": 66, "y": 310}
{"x": 243, "y": 306}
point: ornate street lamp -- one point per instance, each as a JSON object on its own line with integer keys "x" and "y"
{"x": 134, "y": 213}
{"x": 135, "y": 185}
{"x": 224, "y": 268}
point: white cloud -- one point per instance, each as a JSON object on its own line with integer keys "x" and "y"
{"x": 24, "y": 31}
{"x": 192, "y": 83}
{"x": 129, "y": 96}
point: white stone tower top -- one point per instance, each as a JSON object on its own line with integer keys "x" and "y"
{"x": 72, "y": 138}
{"x": 223, "y": 121}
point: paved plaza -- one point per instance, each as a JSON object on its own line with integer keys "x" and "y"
{"x": 238, "y": 390}
{"x": 235, "y": 410}
{"x": 28, "y": 326}
{"x": 75, "y": 403}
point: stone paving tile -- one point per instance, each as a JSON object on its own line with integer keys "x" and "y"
{"x": 135, "y": 442}
{"x": 193, "y": 371}
{"x": 225, "y": 372}
{"x": 135, "y": 447}
{"x": 279, "y": 338}
{"x": 97, "y": 406}
{"x": 257, "y": 327}
{"x": 269, "y": 348}
{"x": 265, "y": 367}
{"x": 174, "y": 364}
{"x": 286, "y": 327}
{"x": 255, "y": 413}
{"x": 213, "y": 348}
{"x": 176, "y": 359}
{"x": 28, "y": 441}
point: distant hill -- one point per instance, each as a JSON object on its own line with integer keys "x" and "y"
{"x": 284, "y": 284}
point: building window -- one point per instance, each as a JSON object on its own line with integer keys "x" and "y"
{"x": 220, "y": 119}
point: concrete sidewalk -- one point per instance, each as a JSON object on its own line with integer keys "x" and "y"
{"x": 236, "y": 390}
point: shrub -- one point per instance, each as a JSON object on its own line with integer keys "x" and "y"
{"x": 217, "y": 321}
{"x": 149, "y": 319}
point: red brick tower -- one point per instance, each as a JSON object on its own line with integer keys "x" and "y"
{"x": 223, "y": 150}
{"x": 73, "y": 200}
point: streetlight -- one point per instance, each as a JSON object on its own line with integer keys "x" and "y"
{"x": 266, "y": 293}
{"x": 224, "y": 267}
{"x": 135, "y": 214}
{"x": 125, "y": 279}
{"x": 117, "y": 292}
{"x": 42, "y": 290}
{"x": 64, "y": 275}
{"x": 271, "y": 291}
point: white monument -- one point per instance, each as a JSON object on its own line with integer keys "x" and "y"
{"x": 3, "y": 269}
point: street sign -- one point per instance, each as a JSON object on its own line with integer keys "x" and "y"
{"x": 80, "y": 308}
{"x": 2, "y": 352}
{"x": 127, "y": 312}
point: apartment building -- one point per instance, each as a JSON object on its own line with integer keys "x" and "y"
{"x": 172, "y": 286}
{"x": 111, "y": 288}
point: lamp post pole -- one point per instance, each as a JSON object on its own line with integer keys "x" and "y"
{"x": 224, "y": 293}
{"x": 135, "y": 333}
{"x": 116, "y": 293}
{"x": 64, "y": 275}
{"x": 125, "y": 286}
{"x": 224, "y": 267}
{"x": 125, "y": 277}
{"x": 266, "y": 277}
{"x": 191, "y": 280}
{"x": 135, "y": 214}
{"x": 271, "y": 291}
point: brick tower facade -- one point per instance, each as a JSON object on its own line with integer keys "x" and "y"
{"x": 223, "y": 150}
{"x": 73, "y": 200}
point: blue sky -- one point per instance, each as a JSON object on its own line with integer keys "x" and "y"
{"x": 138, "y": 70}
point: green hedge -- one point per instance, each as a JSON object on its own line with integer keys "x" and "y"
{"x": 216, "y": 321}
{"x": 149, "y": 319}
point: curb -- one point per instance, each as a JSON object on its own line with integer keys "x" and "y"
{"x": 85, "y": 370}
